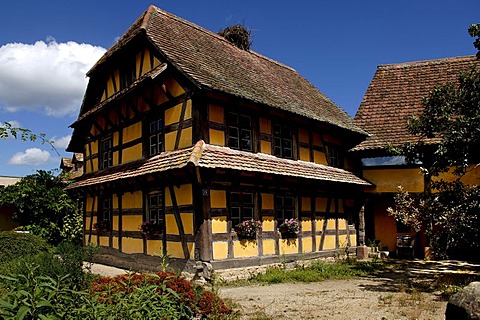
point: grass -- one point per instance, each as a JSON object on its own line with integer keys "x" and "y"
{"x": 317, "y": 271}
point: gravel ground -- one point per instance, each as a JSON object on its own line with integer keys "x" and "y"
{"x": 409, "y": 290}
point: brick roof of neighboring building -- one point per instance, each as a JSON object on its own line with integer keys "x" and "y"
{"x": 208, "y": 156}
{"x": 213, "y": 63}
{"x": 395, "y": 94}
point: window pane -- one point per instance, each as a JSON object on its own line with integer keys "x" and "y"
{"x": 153, "y": 127}
{"x": 235, "y": 198}
{"x": 233, "y": 142}
{"x": 247, "y": 198}
{"x": 235, "y": 213}
{"x": 233, "y": 119}
{"x": 153, "y": 200}
{"x": 245, "y": 122}
{"x": 247, "y": 213}
{"x": 289, "y": 214}
{"x": 289, "y": 203}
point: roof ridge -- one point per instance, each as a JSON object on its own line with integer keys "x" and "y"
{"x": 213, "y": 34}
{"x": 410, "y": 64}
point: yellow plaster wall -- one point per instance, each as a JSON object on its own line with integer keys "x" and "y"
{"x": 385, "y": 229}
{"x": 115, "y": 242}
{"x": 304, "y": 154}
{"x": 159, "y": 96}
{"x": 471, "y": 177}
{"x": 133, "y": 153}
{"x": 132, "y": 132}
{"x": 303, "y": 136}
{"x": 267, "y": 201}
{"x": 171, "y": 224}
{"x": 173, "y": 87}
{"x": 115, "y": 138}
{"x": 340, "y": 206}
{"x": 306, "y": 204}
{"x": 215, "y": 113}
{"x": 170, "y": 140}
{"x": 319, "y": 157}
{"x": 219, "y": 224}
{"x": 307, "y": 244}
{"x": 217, "y": 137}
{"x": 288, "y": 246}
{"x": 353, "y": 240}
{"x": 265, "y": 147}
{"x": 265, "y": 126}
{"x": 387, "y": 180}
{"x": 183, "y": 194}
{"x": 187, "y": 220}
{"x": 317, "y": 140}
{"x": 342, "y": 240}
{"x": 115, "y": 223}
{"x": 175, "y": 249}
{"x": 321, "y": 204}
{"x": 306, "y": 224}
{"x": 185, "y": 138}
{"x": 331, "y": 139}
{"x": 218, "y": 199}
{"x": 132, "y": 245}
{"x": 318, "y": 239}
{"x": 220, "y": 250}
{"x": 93, "y": 240}
{"x": 132, "y": 200}
{"x": 331, "y": 224}
{"x": 146, "y": 62}
{"x": 154, "y": 247}
{"x": 110, "y": 90}
{"x": 172, "y": 115}
{"x": 329, "y": 243}
{"x": 318, "y": 224}
{"x": 131, "y": 223}
{"x": 245, "y": 248}
{"x": 115, "y": 158}
{"x": 268, "y": 247}
{"x": 268, "y": 224}
{"x": 342, "y": 224}
{"x": 104, "y": 241}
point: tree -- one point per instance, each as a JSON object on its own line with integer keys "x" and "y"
{"x": 474, "y": 31}
{"x": 448, "y": 132}
{"x": 43, "y": 207}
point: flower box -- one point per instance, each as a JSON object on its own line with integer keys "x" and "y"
{"x": 289, "y": 229}
{"x": 247, "y": 230}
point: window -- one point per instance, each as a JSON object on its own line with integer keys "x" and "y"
{"x": 106, "y": 154}
{"x": 155, "y": 137}
{"x": 155, "y": 211}
{"x": 333, "y": 157}
{"x": 239, "y": 132}
{"x": 284, "y": 208}
{"x": 105, "y": 213}
{"x": 127, "y": 73}
{"x": 282, "y": 141}
{"x": 241, "y": 207}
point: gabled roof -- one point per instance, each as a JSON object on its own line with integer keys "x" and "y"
{"x": 396, "y": 93}
{"x": 213, "y": 63}
{"x": 208, "y": 156}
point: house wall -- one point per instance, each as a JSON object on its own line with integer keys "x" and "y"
{"x": 324, "y": 226}
{"x": 6, "y": 219}
{"x": 313, "y": 144}
{"x": 128, "y": 214}
{"x": 388, "y": 179}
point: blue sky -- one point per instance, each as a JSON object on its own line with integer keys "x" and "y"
{"x": 47, "y": 46}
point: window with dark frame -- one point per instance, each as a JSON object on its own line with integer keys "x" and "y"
{"x": 333, "y": 157}
{"x": 284, "y": 208}
{"x": 155, "y": 137}
{"x": 239, "y": 131}
{"x": 155, "y": 208}
{"x": 105, "y": 213}
{"x": 282, "y": 141}
{"x": 127, "y": 73}
{"x": 241, "y": 207}
{"x": 106, "y": 153}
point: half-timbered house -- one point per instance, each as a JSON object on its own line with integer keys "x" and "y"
{"x": 394, "y": 95}
{"x": 182, "y": 130}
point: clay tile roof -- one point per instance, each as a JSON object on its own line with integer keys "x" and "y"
{"x": 209, "y": 156}
{"x": 213, "y": 63}
{"x": 66, "y": 163}
{"x": 395, "y": 94}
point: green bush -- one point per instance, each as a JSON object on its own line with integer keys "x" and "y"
{"x": 18, "y": 245}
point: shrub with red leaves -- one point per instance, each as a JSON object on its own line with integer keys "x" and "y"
{"x": 206, "y": 304}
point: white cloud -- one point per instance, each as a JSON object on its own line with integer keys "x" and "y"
{"x": 61, "y": 142}
{"x": 31, "y": 157}
{"x": 45, "y": 76}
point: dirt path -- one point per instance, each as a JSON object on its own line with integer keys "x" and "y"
{"x": 406, "y": 292}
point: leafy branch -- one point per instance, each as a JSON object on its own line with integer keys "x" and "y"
{"x": 7, "y": 130}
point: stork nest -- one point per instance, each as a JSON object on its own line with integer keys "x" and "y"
{"x": 238, "y": 35}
